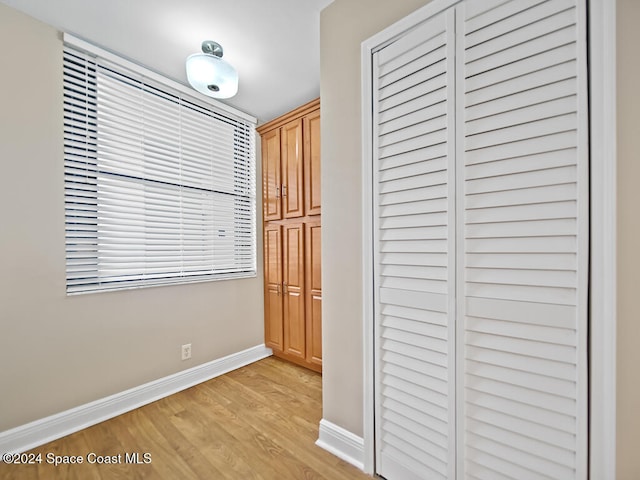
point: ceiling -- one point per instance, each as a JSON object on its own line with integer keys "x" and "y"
{"x": 274, "y": 44}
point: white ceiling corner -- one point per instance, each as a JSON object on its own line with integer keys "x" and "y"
{"x": 274, "y": 44}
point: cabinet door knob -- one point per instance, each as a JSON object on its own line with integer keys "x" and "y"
{"x": 278, "y": 289}
{"x": 284, "y": 190}
{"x": 284, "y": 288}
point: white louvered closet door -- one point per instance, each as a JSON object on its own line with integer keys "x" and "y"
{"x": 523, "y": 185}
{"x": 481, "y": 244}
{"x": 415, "y": 289}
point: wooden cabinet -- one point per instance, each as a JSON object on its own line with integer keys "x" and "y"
{"x": 292, "y": 238}
{"x": 311, "y": 135}
{"x": 291, "y": 164}
{"x": 271, "y": 176}
{"x": 273, "y": 286}
{"x": 291, "y": 154}
{"x": 293, "y": 290}
{"x": 313, "y": 295}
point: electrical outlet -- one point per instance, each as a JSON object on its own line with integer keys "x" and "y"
{"x": 186, "y": 351}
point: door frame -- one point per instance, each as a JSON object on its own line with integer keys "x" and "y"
{"x": 602, "y": 304}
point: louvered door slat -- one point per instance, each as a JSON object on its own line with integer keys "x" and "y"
{"x": 519, "y": 92}
{"x": 530, "y": 457}
{"x": 428, "y": 453}
{"x": 414, "y": 85}
{"x": 524, "y": 66}
{"x": 412, "y": 49}
{"x": 522, "y": 189}
{"x": 428, "y": 79}
{"x": 550, "y": 193}
{"x": 529, "y": 178}
{"x": 480, "y": 14}
{"x": 517, "y": 362}
{"x": 523, "y": 48}
{"x": 543, "y": 228}
{"x": 539, "y": 28}
{"x": 522, "y": 116}
{"x": 527, "y": 147}
{"x": 524, "y": 163}
{"x": 413, "y": 118}
{"x": 428, "y": 126}
{"x": 531, "y": 413}
{"x": 515, "y": 133}
{"x": 504, "y": 276}
{"x": 509, "y": 17}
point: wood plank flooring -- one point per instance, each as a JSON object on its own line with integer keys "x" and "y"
{"x": 258, "y": 422}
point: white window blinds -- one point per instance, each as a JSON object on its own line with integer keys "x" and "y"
{"x": 159, "y": 187}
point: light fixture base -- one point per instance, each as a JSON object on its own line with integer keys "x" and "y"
{"x": 210, "y": 74}
{"x": 212, "y": 48}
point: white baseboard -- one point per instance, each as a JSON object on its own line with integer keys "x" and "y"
{"x": 342, "y": 443}
{"x": 39, "y": 432}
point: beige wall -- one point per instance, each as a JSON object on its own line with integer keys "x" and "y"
{"x": 57, "y": 352}
{"x": 628, "y": 398}
{"x": 344, "y": 25}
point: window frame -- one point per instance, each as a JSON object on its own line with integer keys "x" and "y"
{"x": 83, "y": 263}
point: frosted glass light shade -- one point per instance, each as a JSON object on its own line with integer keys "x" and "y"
{"x": 211, "y": 75}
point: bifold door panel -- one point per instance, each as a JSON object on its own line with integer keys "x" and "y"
{"x": 415, "y": 88}
{"x": 480, "y": 169}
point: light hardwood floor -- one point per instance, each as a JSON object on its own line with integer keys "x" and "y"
{"x": 257, "y": 422}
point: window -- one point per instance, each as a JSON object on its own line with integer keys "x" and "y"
{"x": 159, "y": 186}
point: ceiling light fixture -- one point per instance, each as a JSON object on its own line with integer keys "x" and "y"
{"x": 208, "y": 73}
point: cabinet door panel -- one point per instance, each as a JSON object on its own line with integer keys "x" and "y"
{"x": 272, "y": 287}
{"x": 311, "y": 131}
{"x": 313, "y": 234}
{"x": 292, "y": 169}
{"x": 294, "y": 321}
{"x": 271, "y": 176}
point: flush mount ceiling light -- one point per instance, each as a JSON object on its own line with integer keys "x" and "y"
{"x": 208, "y": 73}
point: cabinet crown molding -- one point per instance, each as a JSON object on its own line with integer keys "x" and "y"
{"x": 287, "y": 117}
